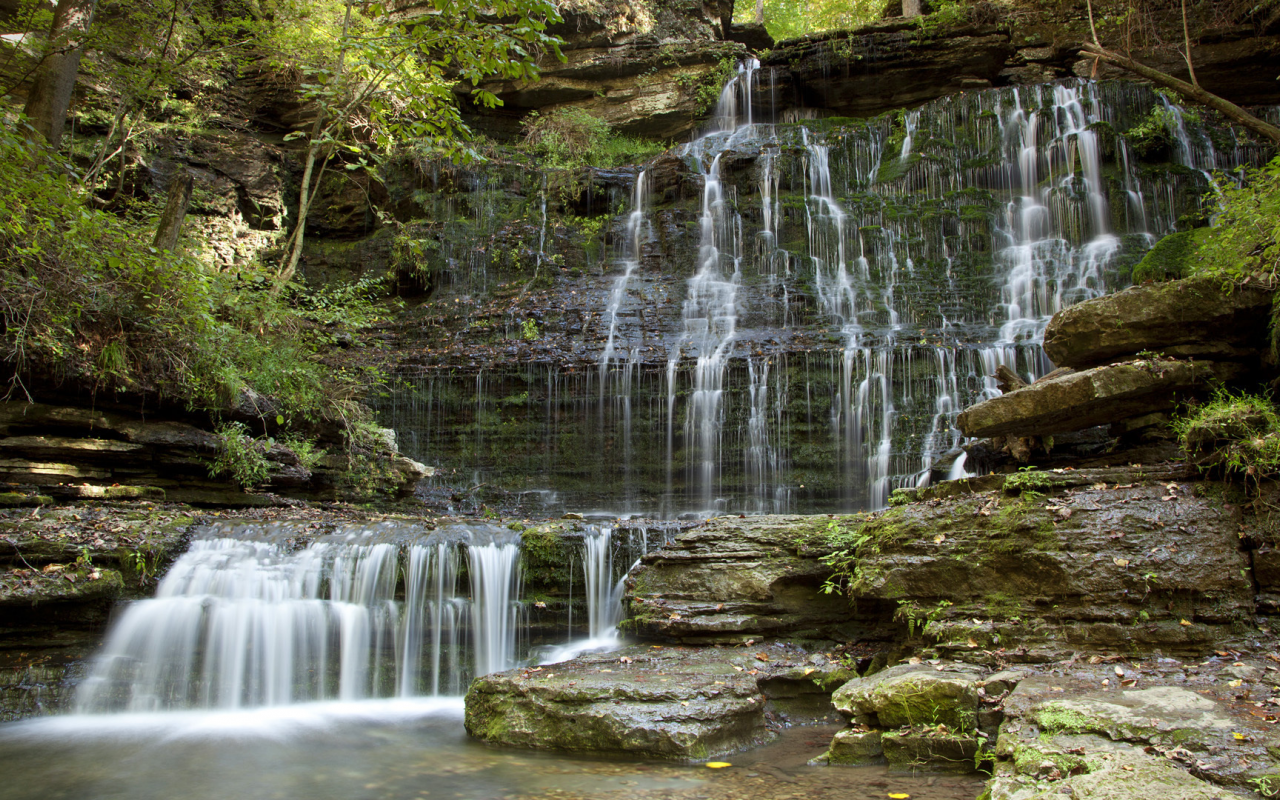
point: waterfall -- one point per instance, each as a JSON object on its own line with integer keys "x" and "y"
{"x": 710, "y": 322}
{"x": 243, "y": 619}
{"x": 855, "y": 284}
{"x": 604, "y": 592}
{"x": 495, "y": 589}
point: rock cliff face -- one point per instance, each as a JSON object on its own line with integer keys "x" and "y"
{"x": 71, "y": 452}
{"x": 1046, "y": 564}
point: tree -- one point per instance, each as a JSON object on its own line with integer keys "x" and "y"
{"x": 392, "y": 75}
{"x": 1190, "y": 90}
{"x": 55, "y": 78}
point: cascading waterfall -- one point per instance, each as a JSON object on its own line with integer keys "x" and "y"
{"x": 869, "y": 292}
{"x": 242, "y": 620}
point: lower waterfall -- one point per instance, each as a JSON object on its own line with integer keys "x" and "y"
{"x": 254, "y": 615}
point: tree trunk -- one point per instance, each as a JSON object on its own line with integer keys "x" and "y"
{"x": 1192, "y": 92}
{"x": 55, "y": 79}
{"x": 911, "y": 8}
{"x": 175, "y": 210}
{"x": 759, "y": 12}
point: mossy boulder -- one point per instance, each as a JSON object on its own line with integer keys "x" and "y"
{"x": 1171, "y": 258}
{"x": 913, "y": 694}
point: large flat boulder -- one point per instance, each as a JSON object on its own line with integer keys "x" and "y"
{"x": 671, "y": 703}
{"x": 1192, "y": 318}
{"x": 1098, "y": 396}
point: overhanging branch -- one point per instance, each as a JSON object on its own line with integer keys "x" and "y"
{"x": 1192, "y": 92}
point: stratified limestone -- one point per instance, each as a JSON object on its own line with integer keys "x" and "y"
{"x": 735, "y": 578}
{"x": 1138, "y": 566}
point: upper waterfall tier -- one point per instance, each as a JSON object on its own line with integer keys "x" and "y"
{"x": 792, "y": 312}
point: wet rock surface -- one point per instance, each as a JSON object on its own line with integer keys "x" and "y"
{"x": 735, "y": 578}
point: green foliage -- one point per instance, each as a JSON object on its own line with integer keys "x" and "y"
{"x": 1244, "y": 244}
{"x": 1238, "y": 434}
{"x": 573, "y": 138}
{"x": 82, "y": 299}
{"x": 529, "y": 331}
{"x": 1028, "y": 482}
{"x": 787, "y": 19}
{"x": 1153, "y": 134}
{"x": 240, "y": 456}
{"x": 706, "y": 87}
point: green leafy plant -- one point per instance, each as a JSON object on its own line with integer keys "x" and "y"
{"x": 240, "y": 456}
{"x": 1028, "y": 482}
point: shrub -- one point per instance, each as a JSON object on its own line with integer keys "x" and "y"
{"x": 1238, "y": 434}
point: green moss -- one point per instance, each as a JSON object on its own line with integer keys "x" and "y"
{"x": 1171, "y": 258}
{"x": 1056, "y": 718}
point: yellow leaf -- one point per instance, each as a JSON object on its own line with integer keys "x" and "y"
{"x": 810, "y": 671}
{"x": 1121, "y": 562}
{"x": 718, "y": 764}
{"x": 1239, "y": 737}
{"x": 1235, "y": 683}
{"x": 898, "y": 796}
{"x": 1184, "y": 622}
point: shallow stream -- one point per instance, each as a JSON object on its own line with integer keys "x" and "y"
{"x": 394, "y": 750}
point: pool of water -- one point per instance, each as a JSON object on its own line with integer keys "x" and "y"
{"x": 393, "y": 750}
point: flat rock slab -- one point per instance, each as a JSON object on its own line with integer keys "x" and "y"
{"x": 1192, "y": 317}
{"x": 1160, "y": 741}
{"x": 1097, "y": 396}
{"x": 674, "y": 703}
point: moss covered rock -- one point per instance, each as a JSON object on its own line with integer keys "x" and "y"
{"x": 855, "y": 748}
{"x": 913, "y": 694}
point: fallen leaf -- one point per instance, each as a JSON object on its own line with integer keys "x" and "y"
{"x": 739, "y": 669}
{"x": 1121, "y": 562}
{"x": 718, "y": 764}
{"x": 810, "y": 671}
{"x": 1119, "y": 672}
{"x": 684, "y": 702}
{"x": 940, "y": 538}
{"x": 762, "y": 656}
{"x": 1235, "y": 683}
{"x": 898, "y": 796}
{"x": 1184, "y": 622}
